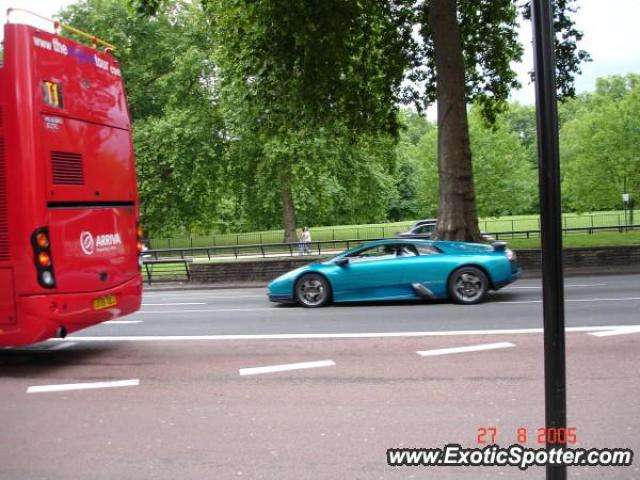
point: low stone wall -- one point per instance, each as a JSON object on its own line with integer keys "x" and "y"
{"x": 246, "y": 270}
{"x": 576, "y": 260}
{"x": 587, "y": 258}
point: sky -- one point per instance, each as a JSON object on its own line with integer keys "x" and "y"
{"x": 611, "y": 35}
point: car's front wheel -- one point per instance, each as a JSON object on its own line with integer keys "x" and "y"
{"x": 313, "y": 290}
{"x": 468, "y": 285}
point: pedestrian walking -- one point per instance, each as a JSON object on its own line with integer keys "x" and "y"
{"x": 301, "y": 242}
{"x": 306, "y": 241}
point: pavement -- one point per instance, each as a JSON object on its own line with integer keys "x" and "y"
{"x": 211, "y": 384}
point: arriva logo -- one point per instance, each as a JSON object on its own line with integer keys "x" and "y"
{"x": 86, "y": 243}
{"x": 102, "y": 243}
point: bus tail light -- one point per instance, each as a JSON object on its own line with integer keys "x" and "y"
{"x": 42, "y": 257}
{"x": 42, "y": 240}
{"x": 139, "y": 234}
{"x": 44, "y": 260}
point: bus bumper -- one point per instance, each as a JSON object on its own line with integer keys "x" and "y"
{"x": 40, "y": 317}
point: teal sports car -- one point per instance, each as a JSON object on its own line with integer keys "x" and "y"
{"x": 397, "y": 269}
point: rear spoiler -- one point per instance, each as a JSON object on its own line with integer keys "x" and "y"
{"x": 499, "y": 246}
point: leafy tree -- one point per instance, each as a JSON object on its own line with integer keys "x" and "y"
{"x": 302, "y": 65}
{"x": 337, "y": 179}
{"x": 521, "y": 120}
{"x": 505, "y": 179}
{"x": 600, "y": 146}
{"x": 179, "y": 135}
{"x": 292, "y": 75}
{"x": 468, "y": 48}
{"x": 406, "y": 203}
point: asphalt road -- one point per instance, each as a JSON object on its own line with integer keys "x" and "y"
{"x": 590, "y": 301}
{"x": 183, "y": 394}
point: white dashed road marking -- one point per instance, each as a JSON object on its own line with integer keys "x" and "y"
{"x": 120, "y": 322}
{"x": 83, "y": 386}
{"x": 470, "y": 348}
{"x": 617, "y": 331}
{"x": 62, "y": 346}
{"x": 286, "y": 367}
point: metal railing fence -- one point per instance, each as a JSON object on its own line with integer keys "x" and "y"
{"x": 265, "y": 250}
{"x": 323, "y": 234}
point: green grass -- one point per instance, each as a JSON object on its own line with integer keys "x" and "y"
{"x": 380, "y": 230}
{"x": 600, "y": 239}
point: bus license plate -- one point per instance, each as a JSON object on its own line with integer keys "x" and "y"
{"x": 104, "y": 302}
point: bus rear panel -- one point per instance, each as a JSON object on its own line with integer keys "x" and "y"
{"x": 69, "y": 236}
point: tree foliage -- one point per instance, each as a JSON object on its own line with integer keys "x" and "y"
{"x": 178, "y": 131}
{"x": 600, "y": 146}
{"x": 270, "y": 112}
{"x": 312, "y": 88}
{"x": 505, "y": 178}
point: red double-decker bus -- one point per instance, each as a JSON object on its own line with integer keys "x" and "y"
{"x": 69, "y": 234}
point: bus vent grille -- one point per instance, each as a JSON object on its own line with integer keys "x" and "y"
{"x": 4, "y": 209}
{"x": 67, "y": 168}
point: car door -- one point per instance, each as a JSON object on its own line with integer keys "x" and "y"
{"x": 430, "y": 268}
{"x": 373, "y": 273}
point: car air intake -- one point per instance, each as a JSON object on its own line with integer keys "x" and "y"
{"x": 67, "y": 168}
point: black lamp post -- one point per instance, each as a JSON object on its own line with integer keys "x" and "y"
{"x": 551, "y": 225}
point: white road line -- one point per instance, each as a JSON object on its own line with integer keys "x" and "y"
{"x": 471, "y": 348}
{"x": 249, "y": 292}
{"x": 617, "y": 331}
{"x": 172, "y": 304}
{"x": 286, "y": 367}
{"x": 206, "y": 297}
{"x": 120, "y": 322}
{"x": 218, "y": 310}
{"x": 539, "y": 287}
{"x": 62, "y": 346}
{"x": 321, "y": 336}
{"x": 575, "y": 300}
{"x": 83, "y": 386}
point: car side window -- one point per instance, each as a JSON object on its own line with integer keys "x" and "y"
{"x": 383, "y": 252}
{"x": 378, "y": 252}
{"x": 406, "y": 251}
{"x": 427, "y": 250}
{"x": 424, "y": 229}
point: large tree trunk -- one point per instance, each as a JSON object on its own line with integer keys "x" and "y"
{"x": 288, "y": 212}
{"x": 457, "y": 216}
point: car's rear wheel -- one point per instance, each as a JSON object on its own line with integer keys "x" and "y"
{"x": 312, "y": 291}
{"x": 468, "y": 285}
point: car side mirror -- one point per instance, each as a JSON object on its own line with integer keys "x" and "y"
{"x": 342, "y": 262}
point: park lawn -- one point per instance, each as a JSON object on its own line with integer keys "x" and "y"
{"x": 599, "y": 239}
{"x": 385, "y": 230}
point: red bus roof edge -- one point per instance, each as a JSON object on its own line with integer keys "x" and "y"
{"x": 92, "y": 38}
